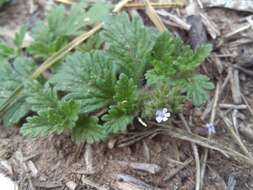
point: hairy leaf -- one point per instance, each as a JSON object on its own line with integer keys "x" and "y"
{"x": 172, "y": 59}
{"x": 52, "y": 121}
{"x": 196, "y": 89}
{"x": 19, "y": 36}
{"x": 88, "y": 130}
{"x": 11, "y": 76}
{"x": 126, "y": 94}
{"x": 130, "y": 44}
{"x": 6, "y": 52}
{"x": 122, "y": 114}
{"x": 40, "y": 98}
{"x": 60, "y": 27}
{"x": 116, "y": 120}
{"x": 88, "y": 78}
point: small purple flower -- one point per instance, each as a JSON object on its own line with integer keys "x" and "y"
{"x": 162, "y": 115}
{"x": 211, "y": 128}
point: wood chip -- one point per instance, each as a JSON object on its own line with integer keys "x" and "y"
{"x": 150, "y": 168}
{"x": 210, "y": 26}
{"x": 89, "y": 159}
{"x": 174, "y": 18}
{"x": 235, "y": 85}
{"x": 32, "y": 168}
{"x": 127, "y": 182}
{"x": 146, "y": 151}
{"x": 92, "y": 184}
{"x": 178, "y": 169}
{"x": 6, "y": 166}
{"x": 232, "y": 106}
{"x": 71, "y": 185}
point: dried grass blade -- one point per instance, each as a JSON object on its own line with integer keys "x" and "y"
{"x": 204, "y": 142}
{"x": 154, "y": 17}
{"x": 155, "y": 5}
{"x": 62, "y": 52}
{"x": 69, "y": 2}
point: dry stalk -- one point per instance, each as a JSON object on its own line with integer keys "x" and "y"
{"x": 201, "y": 141}
{"x": 178, "y": 169}
{"x": 154, "y": 17}
{"x": 229, "y": 126}
{"x": 213, "y": 113}
{"x": 195, "y": 152}
{"x": 166, "y": 5}
{"x": 155, "y": 5}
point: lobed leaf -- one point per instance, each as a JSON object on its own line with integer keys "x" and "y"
{"x": 87, "y": 78}
{"x": 196, "y": 89}
{"x": 11, "y": 76}
{"x": 130, "y": 44}
{"x": 53, "y": 121}
{"x": 88, "y": 130}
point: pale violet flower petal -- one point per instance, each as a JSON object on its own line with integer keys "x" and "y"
{"x": 159, "y": 119}
{"x": 165, "y": 110}
{"x": 158, "y": 113}
{"x": 211, "y": 128}
{"x": 167, "y": 114}
{"x": 162, "y": 115}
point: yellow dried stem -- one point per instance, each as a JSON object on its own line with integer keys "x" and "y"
{"x": 65, "y": 1}
{"x": 155, "y": 5}
{"x": 154, "y": 17}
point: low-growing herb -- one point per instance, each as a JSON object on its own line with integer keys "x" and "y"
{"x": 99, "y": 91}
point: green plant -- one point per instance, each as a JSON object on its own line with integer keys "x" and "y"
{"x": 13, "y": 50}
{"x": 98, "y": 92}
{"x": 3, "y": 1}
{"x": 61, "y": 26}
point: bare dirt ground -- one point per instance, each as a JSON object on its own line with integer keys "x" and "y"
{"x": 57, "y": 163}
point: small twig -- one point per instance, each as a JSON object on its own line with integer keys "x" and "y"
{"x": 223, "y": 86}
{"x": 228, "y": 124}
{"x": 156, "y": 5}
{"x": 196, "y": 154}
{"x": 180, "y": 22}
{"x": 235, "y": 122}
{"x": 235, "y": 85}
{"x": 89, "y": 159}
{"x": 154, "y": 17}
{"x": 31, "y": 183}
{"x": 246, "y": 71}
{"x": 200, "y": 4}
{"x": 207, "y": 110}
{"x": 178, "y": 169}
{"x": 210, "y": 26}
{"x": 212, "y": 118}
{"x": 92, "y": 184}
{"x": 210, "y": 104}
{"x": 69, "y": 2}
{"x": 126, "y": 182}
{"x": 31, "y": 157}
{"x": 146, "y": 167}
{"x": 247, "y": 103}
{"x": 245, "y": 27}
{"x": 232, "y": 106}
{"x": 175, "y": 161}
